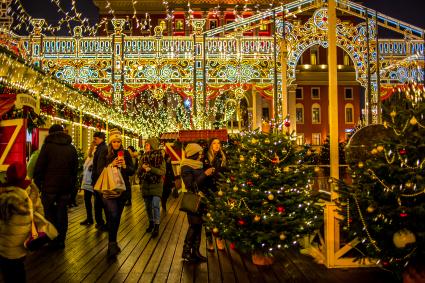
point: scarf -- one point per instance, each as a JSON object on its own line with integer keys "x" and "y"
{"x": 194, "y": 164}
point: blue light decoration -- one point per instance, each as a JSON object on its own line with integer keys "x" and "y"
{"x": 187, "y": 103}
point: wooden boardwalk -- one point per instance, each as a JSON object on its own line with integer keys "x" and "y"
{"x": 159, "y": 260}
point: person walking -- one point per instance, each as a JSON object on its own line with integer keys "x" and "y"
{"x": 133, "y": 154}
{"x": 99, "y": 162}
{"x": 117, "y": 157}
{"x": 168, "y": 181}
{"x": 193, "y": 176}
{"x": 15, "y": 221}
{"x": 86, "y": 184}
{"x": 56, "y": 175}
{"x": 216, "y": 159}
{"x": 151, "y": 172}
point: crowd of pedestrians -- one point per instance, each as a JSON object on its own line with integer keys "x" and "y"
{"x": 47, "y": 187}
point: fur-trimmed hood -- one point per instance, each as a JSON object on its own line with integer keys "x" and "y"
{"x": 13, "y": 200}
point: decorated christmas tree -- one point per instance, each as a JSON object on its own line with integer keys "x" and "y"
{"x": 384, "y": 207}
{"x": 265, "y": 202}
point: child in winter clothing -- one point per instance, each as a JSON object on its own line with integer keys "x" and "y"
{"x": 15, "y": 221}
{"x": 86, "y": 185}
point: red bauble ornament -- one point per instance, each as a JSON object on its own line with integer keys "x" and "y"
{"x": 287, "y": 124}
{"x": 403, "y": 214}
{"x": 385, "y": 263}
{"x": 249, "y": 183}
{"x": 232, "y": 178}
{"x": 241, "y": 222}
{"x": 350, "y": 220}
{"x": 232, "y": 246}
{"x": 275, "y": 160}
{"x": 402, "y": 151}
{"x": 280, "y": 208}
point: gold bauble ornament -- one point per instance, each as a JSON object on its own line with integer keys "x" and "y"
{"x": 317, "y": 169}
{"x": 413, "y": 121}
{"x": 235, "y": 188}
{"x": 309, "y": 152}
{"x": 270, "y": 197}
{"x": 241, "y": 158}
{"x": 257, "y": 218}
{"x": 254, "y": 141}
{"x": 385, "y": 125}
{"x": 286, "y": 169}
{"x": 374, "y": 151}
{"x": 209, "y": 215}
{"x": 379, "y": 148}
{"x": 393, "y": 114}
{"x": 282, "y": 236}
{"x": 403, "y": 238}
{"x": 267, "y": 141}
{"x": 215, "y": 230}
{"x": 220, "y": 193}
{"x": 370, "y": 209}
{"x": 409, "y": 185}
{"x": 255, "y": 175}
{"x": 360, "y": 164}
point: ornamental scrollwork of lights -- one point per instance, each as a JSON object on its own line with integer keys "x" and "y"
{"x": 124, "y": 67}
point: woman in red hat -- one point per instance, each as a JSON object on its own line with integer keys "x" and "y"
{"x": 15, "y": 221}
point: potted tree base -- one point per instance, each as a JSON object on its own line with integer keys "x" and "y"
{"x": 259, "y": 258}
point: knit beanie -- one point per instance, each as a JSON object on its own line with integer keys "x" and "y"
{"x": 153, "y": 142}
{"x": 114, "y": 134}
{"x": 15, "y": 175}
{"x": 192, "y": 149}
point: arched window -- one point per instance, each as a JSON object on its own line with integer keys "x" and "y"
{"x": 349, "y": 113}
{"x": 299, "y": 110}
{"x": 315, "y": 113}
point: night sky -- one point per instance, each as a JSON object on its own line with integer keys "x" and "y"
{"x": 410, "y": 11}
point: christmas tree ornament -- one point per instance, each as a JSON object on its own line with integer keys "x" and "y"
{"x": 409, "y": 185}
{"x": 270, "y": 197}
{"x": 371, "y": 208}
{"x": 403, "y": 214}
{"x": 374, "y": 151}
{"x": 267, "y": 141}
{"x": 253, "y": 159}
{"x": 286, "y": 169}
{"x": 232, "y": 246}
{"x": 235, "y": 188}
{"x": 309, "y": 152}
{"x": 402, "y": 151}
{"x": 282, "y": 236}
{"x": 385, "y": 125}
{"x": 257, "y": 218}
{"x": 250, "y": 183}
{"x": 280, "y": 208}
{"x": 403, "y": 238}
{"x": 413, "y": 121}
{"x": 287, "y": 124}
{"x": 360, "y": 164}
{"x": 241, "y": 158}
{"x": 220, "y": 193}
{"x": 393, "y": 114}
{"x": 254, "y": 141}
{"x": 380, "y": 148}
{"x": 264, "y": 202}
{"x": 215, "y": 231}
{"x": 241, "y": 222}
{"x": 317, "y": 169}
{"x": 209, "y": 215}
{"x": 255, "y": 175}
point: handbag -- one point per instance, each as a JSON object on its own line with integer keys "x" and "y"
{"x": 38, "y": 238}
{"x": 110, "y": 183}
{"x": 191, "y": 201}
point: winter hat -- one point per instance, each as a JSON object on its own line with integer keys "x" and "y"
{"x": 153, "y": 142}
{"x": 114, "y": 134}
{"x": 16, "y": 174}
{"x": 192, "y": 149}
{"x": 99, "y": 135}
{"x": 55, "y": 128}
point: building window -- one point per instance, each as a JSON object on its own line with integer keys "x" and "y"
{"x": 315, "y": 113}
{"x": 300, "y": 139}
{"x": 315, "y": 93}
{"x": 346, "y": 60}
{"x": 348, "y": 93}
{"x": 299, "y": 93}
{"x": 213, "y": 23}
{"x": 316, "y": 139}
{"x": 314, "y": 54}
{"x": 349, "y": 113}
{"x": 299, "y": 110}
{"x": 179, "y": 25}
{"x": 265, "y": 114}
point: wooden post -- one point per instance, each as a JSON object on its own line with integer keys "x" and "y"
{"x": 283, "y": 63}
{"x": 254, "y": 109}
{"x": 81, "y": 131}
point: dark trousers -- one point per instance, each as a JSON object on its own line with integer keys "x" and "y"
{"x": 13, "y": 270}
{"x": 56, "y": 211}
{"x": 127, "y": 193}
{"x": 193, "y": 237}
{"x": 98, "y": 206}
{"x": 113, "y": 210}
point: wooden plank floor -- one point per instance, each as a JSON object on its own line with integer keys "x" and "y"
{"x": 159, "y": 260}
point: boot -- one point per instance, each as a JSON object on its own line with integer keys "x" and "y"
{"x": 113, "y": 249}
{"x": 196, "y": 255}
{"x": 150, "y": 228}
{"x": 155, "y": 231}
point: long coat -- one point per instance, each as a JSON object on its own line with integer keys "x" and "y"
{"x": 152, "y": 182}
{"x": 57, "y": 165}
{"x": 99, "y": 161}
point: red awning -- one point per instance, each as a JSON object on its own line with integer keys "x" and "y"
{"x": 6, "y": 103}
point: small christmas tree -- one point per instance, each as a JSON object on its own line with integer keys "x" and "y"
{"x": 385, "y": 205}
{"x": 265, "y": 201}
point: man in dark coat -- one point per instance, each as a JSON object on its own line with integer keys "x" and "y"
{"x": 99, "y": 163}
{"x": 56, "y": 175}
